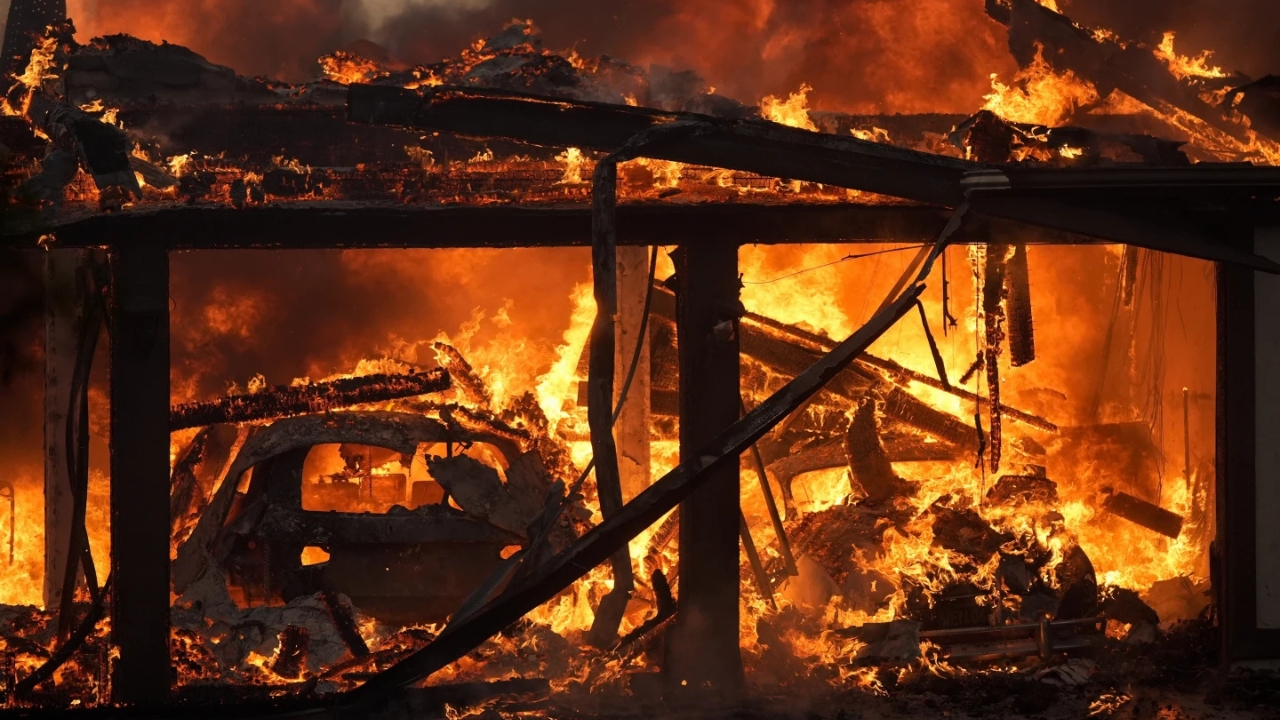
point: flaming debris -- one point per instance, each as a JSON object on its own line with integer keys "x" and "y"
{"x": 793, "y": 112}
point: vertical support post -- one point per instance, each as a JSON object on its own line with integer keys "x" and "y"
{"x": 63, "y": 315}
{"x": 632, "y": 428}
{"x": 140, "y": 472}
{"x": 702, "y": 651}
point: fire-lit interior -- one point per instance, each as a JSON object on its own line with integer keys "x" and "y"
{"x": 1036, "y": 444}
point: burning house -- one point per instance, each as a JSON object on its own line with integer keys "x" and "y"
{"x": 451, "y": 388}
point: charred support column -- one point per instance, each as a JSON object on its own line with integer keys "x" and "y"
{"x": 140, "y": 472}
{"x": 63, "y": 313}
{"x": 632, "y": 428}
{"x": 702, "y": 649}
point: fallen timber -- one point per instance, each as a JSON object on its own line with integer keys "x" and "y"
{"x": 647, "y": 508}
{"x": 284, "y": 400}
{"x": 774, "y": 150}
{"x": 1128, "y": 67}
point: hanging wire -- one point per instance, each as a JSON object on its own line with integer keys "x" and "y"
{"x": 854, "y": 256}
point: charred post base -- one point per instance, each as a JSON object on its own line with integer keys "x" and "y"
{"x": 702, "y": 650}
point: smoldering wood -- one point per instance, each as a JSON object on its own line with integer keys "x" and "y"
{"x": 462, "y": 374}
{"x": 647, "y": 508}
{"x": 869, "y": 464}
{"x": 102, "y": 149}
{"x": 291, "y": 655}
{"x": 1148, "y": 515}
{"x": 284, "y": 400}
{"x": 1022, "y": 334}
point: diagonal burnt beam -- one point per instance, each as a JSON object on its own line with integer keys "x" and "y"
{"x": 283, "y": 400}
{"x": 648, "y": 507}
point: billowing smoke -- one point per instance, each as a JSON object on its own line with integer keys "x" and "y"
{"x": 859, "y": 55}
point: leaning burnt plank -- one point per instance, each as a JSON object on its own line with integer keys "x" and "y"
{"x": 283, "y": 400}
{"x": 897, "y": 373}
{"x": 470, "y": 383}
{"x": 402, "y": 432}
{"x": 1130, "y": 67}
{"x": 647, "y": 508}
{"x": 869, "y": 464}
{"x": 1139, "y": 511}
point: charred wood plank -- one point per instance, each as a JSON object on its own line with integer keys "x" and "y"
{"x": 285, "y": 400}
{"x": 647, "y": 508}
{"x": 463, "y": 375}
{"x": 1148, "y": 515}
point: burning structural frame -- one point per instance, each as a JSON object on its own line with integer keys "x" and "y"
{"x": 1123, "y": 206}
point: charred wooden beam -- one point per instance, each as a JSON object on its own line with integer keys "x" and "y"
{"x": 284, "y": 400}
{"x": 751, "y": 145}
{"x": 647, "y": 508}
{"x": 1148, "y": 515}
{"x": 1022, "y": 336}
{"x": 140, "y": 472}
{"x": 64, "y": 313}
{"x": 321, "y": 225}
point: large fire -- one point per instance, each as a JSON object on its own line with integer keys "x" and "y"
{"x": 1121, "y": 388}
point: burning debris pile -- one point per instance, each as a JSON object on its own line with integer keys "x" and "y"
{"x": 922, "y": 525}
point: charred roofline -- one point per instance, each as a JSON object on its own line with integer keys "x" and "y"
{"x": 320, "y": 226}
{"x": 768, "y": 148}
